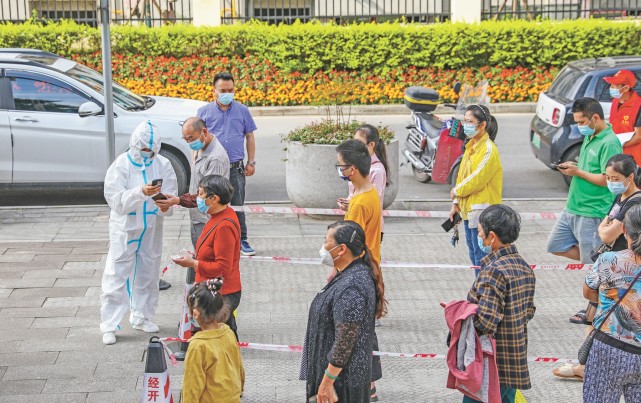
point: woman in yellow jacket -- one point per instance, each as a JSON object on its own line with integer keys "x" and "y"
{"x": 480, "y": 177}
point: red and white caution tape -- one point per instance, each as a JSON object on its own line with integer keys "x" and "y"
{"x": 299, "y": 349}
{"x": 257, "y": 209}
{"x": 408, "y": 265}
{"x": 392, "y": 264}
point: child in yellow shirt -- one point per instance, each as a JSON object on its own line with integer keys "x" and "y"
{"x": 213, "y": 367}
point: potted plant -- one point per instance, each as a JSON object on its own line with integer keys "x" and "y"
{"x": 311, "y": 177}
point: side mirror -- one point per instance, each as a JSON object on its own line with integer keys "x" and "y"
{"x": 89, "y": 109}
{"x": 457, "y": 87}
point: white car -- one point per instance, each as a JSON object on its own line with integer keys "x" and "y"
{"x": 52, "y": 122}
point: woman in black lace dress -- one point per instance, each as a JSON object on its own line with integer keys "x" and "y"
{"x": 340, "y": 328}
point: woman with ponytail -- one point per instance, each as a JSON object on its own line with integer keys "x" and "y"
{"x": 379, "y": 170}
{"x": 337, "y": 359}
{"x": 479, "y": 183}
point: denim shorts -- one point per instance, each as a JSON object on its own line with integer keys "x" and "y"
{"x": 575, "y": 230}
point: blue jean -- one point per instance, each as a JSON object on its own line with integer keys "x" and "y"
{"x": 508, "y": 395}
{"x": 471, "y": 238}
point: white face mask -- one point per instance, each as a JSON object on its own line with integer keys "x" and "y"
{"x": 326, "y": 257}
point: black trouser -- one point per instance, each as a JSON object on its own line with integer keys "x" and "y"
{"x": 237, "y": 179}
{"x": 377, "y": 369}
{"x": 233, "y": 300}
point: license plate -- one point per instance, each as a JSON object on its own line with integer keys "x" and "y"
{"x": 536, "y": 140}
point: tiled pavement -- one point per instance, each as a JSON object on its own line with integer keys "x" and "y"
{"x": 51, "y": 262}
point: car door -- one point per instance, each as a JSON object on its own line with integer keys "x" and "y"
{"x": 6, "y": 152}
{"x": 51, "y": 142}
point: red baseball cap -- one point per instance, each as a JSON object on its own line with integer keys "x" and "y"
{"x": 622, "y": 77}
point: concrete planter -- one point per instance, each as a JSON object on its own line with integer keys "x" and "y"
{"x": 312, "y": 180}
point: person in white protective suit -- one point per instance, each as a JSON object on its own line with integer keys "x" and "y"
{"x": 130, "y": 279}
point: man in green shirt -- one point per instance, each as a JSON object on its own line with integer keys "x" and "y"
{"x": 575, "y": 233}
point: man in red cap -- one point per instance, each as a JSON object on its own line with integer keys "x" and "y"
{"x": 624, "y": 112}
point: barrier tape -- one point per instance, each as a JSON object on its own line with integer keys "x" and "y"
{"x": 408, "y": 265}
{"x": 282, "y": 348}
{"x": 257, "y": 209}
{"x": 392, "y": 264}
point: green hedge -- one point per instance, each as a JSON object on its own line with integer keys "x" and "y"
{"x": 365, "y": 47}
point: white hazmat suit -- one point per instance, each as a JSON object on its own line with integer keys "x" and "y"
{"x": 132, "y": 271}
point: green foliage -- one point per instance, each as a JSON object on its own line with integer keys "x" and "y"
{"x": 378, "y": 48}
{"x": 332, "y": 132}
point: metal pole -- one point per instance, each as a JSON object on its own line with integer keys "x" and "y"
{"x": 108, "y": 90}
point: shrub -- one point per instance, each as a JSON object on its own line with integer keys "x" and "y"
{"x": 331, "y": 131}
{"x": 378, "y": 48}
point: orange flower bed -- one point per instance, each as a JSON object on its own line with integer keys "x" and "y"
{"x": 259, "y": 83}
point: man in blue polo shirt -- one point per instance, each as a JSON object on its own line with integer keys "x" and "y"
{"x": 232, "y": 124}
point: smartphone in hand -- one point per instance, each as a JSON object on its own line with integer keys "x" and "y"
{"x": 156, "y": 182}
{"x": 449, "y": 224}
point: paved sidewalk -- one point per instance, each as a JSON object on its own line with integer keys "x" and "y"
{"x": 51, "y": 262}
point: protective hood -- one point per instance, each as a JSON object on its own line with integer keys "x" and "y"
{"x": 144, "y": 136}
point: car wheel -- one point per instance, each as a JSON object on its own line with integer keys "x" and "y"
{"x": 420, "y": 176}
{"x": 570, "y": 155}
{"x": 182, "y": 171}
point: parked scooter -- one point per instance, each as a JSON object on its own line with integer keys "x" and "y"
{"x": 434, "y": 146}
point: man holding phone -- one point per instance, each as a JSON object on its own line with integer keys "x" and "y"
{"x": 208, "y": 158}
{"x": 575, "y": 233}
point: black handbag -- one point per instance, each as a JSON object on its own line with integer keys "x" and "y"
{"x": 584, "y": 351}
{"x": 604, "y": 247}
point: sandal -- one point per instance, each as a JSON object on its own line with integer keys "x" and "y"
{"x": 580, "y": 318}
{"x": 373, "y": 397}
{"x": 566, "y": 371}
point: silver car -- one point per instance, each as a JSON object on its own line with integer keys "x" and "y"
{"x": 52, "y": 122}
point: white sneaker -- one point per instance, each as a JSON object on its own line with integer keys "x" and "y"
{"x": 109, "y": 338}
{"x": 148, "y": 327}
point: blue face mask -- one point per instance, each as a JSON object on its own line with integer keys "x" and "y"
{"x": 147, "y": 154}
{"x": 470, "y": 129}
{"x": 196, "y": 145}
{"x": 202, "y": 207}
{"x": 617, "y": 187}
{"x": 485, "y": 249}
{"x": 615, "y": 93}
{"x": 226, "y": 98}
{"x": 586, "y": 130}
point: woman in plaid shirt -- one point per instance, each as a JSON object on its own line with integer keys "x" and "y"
{"x": 504, "y": 293}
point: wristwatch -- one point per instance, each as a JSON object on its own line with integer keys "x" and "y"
{"x": 252, "y": 163}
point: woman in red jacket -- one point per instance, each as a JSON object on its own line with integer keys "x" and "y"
{"x": 218, "y": 248}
